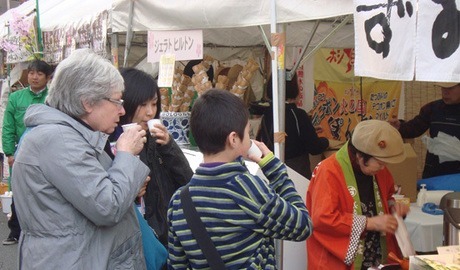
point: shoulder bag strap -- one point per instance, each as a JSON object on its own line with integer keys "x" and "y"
{"x": 199, "y": 231}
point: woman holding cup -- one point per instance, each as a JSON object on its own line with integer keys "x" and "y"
{"x": 74, "y": 202}
{"x": 169, "y": 168}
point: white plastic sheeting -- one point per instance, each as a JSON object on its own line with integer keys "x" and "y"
{"x": 235, "y": 23}
{"x": 204, "y": 14}
{"x": 58, "y": 14}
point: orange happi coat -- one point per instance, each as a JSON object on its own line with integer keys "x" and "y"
{"x": 331, "y": 208}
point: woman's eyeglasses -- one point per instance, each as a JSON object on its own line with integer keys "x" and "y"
{"x": 119, "y": 102}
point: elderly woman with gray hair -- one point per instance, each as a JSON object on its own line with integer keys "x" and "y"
{"x": 74, "y": 200}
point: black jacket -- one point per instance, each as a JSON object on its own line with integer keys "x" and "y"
{"x": 169, "y": 170}
{"x": 435, "y": 116}
{"x": 301, "y": 139}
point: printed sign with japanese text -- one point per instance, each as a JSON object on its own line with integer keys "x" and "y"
{"x": 407, "y": 39}
{"x": 342, "y": 100}
{"x": 185, "y": 45}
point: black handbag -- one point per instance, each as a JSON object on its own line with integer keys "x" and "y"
{"x": 199, "y": 231}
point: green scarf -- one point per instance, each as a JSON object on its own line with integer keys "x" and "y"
{"x": 350, "y": 179}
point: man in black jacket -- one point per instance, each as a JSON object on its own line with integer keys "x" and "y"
{"x": 441, "y": 115}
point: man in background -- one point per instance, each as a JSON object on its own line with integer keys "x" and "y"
{"x": 441, "y": 115}
{"x": 38, "y": 75}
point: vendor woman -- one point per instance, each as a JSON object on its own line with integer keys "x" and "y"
{"x": 350, "y": 201}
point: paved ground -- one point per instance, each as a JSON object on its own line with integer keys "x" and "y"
{"x": 8, "y": 254}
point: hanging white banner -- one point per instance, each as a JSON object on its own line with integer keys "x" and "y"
{"x": 438, "y": 41}
{"x": 185, "y": 45}
{"x": 385, "y": 34}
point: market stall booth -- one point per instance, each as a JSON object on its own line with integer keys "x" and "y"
{"x": 232, "y": 34}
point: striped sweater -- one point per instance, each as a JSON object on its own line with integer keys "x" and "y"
{"x": 242, "y": 214}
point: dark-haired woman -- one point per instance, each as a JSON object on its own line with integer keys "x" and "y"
{"x": 169, "y": 168}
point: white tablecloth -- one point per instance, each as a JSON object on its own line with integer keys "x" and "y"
{"x": 425, "y": 230}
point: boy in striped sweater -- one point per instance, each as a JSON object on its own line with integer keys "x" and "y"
{"x": 241, "y": 212}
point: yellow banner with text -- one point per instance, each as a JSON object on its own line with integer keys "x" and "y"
{"x": 342, "y": 100}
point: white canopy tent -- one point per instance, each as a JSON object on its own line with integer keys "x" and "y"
{"x": 236, "y": 23}
{"x": 202, "y": 14}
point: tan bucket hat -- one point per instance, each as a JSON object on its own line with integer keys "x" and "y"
{"x": 380, "y": 140}
{"x": 446, "y": 84}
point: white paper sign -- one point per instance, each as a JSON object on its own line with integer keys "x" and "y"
{"x": 166, "y": 72}
{"x": 185, "y": 45}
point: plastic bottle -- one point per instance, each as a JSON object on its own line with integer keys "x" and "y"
{"x": 421, "y": 197}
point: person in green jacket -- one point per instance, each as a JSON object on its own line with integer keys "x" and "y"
{"x": 38, "y": 75}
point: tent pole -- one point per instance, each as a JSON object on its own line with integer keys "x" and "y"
{"x": 318, "y": 46}
{"x": 39, "y": 31}
{"x": 140, "y": 59}
{"x": 265, "y": 38}
{"x": 129, "y": 32}
{"x": 114, "y": 48}
{"x": 278, "y": 74}
{"x": 274, "y": 56}
{"x": 304, "y": 50}
{"x": 281, "y": 85}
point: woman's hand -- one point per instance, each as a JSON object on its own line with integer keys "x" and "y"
{"x": 160, "y": 133}
{"x": 394, "y": 122}
{"x": 401, "y": 209}
{"x": 10, "y": 161}
{"x": 132, "y": 140}
{"x": 143, "y": 188}
{"x": 382, "y": 223}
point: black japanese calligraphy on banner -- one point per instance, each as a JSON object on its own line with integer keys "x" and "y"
{"x": 385, "y": 39}
{"x": 445, "y": 34}
{"x": 393, "y": 42}
{"x": 382, "y": 21}
{"x": 438, "y": 41}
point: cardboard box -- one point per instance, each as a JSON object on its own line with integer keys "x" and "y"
{"x": 3, "y": 188}
{"x": 405, "y": 173}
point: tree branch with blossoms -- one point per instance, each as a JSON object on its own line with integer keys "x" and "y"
{"x": 21, "y": 42}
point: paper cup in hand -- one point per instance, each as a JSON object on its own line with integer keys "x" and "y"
{"x": 152, "y": 122}
{"x": 254, "y": 150}
{"x": 128, "y": 126}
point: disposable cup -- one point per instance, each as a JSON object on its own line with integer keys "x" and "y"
{"x": 128, "y": 126}
{"x": 254, "y": 150}
{"x": 152, "y": 122}
{"x": 6, "y": 203}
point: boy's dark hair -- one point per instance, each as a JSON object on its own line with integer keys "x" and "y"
{"x": 41, "y": 66}
{"x": 215, "y": 114}
{"x": 139, "y": 88}
{"x": 292, "y": 87}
